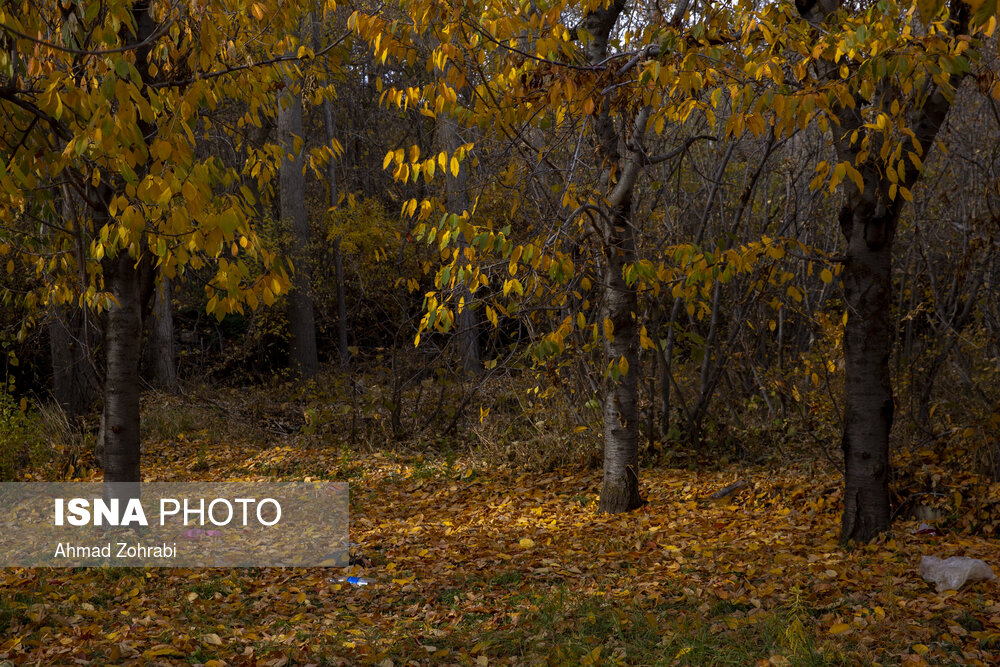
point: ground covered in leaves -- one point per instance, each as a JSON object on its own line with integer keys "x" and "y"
{"x": 474, "y": 565}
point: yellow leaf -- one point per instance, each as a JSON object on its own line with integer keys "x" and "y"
{"x": 826, "y": 275}
{"x": 212, "y": 638}
{"x": 920, "y": 649}
{"x": 840, "y": 628}
{"x": 609, "y": 329}
{"x": 526, "y": 543}
{"x": 454, "y": 166}
{"x": 855, "y": 176}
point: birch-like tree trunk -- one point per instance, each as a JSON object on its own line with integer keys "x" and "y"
{"x": 301, "y": 318}
{"x": 619, "y": 304}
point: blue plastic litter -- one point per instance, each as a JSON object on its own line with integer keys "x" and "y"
{"x": 354, "y": 581}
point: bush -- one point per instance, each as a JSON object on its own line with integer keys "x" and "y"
{"x": 18, "y": 436}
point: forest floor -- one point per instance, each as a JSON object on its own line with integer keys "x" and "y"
{"x": 478, "y": 565}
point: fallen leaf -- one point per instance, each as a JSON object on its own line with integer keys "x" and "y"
{"x": 839, "y": 628}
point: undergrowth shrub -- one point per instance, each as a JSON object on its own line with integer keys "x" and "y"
{"x": 19, "y": 438}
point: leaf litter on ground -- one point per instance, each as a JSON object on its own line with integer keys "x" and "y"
{"x": 475, "y": 565}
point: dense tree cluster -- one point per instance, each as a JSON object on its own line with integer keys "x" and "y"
{"x": 673, "y": 222}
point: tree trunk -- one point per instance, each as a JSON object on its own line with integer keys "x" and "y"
{"x": 466, "y": 320}
{"x": 620, "y": 489}
{"x": 868, "y": 390}
{"x": 338, "y": 259}
{"x": 161, "y": 339}
{"x": 868, "y": 221}
{"x": 301, "y": 319}
{"x": 621, "y": 168}
{"x": 74, "y": 380}
{"x": 75, "y": 384}
{"x": 121, "y": 384}
{"x": 118, "y": 443}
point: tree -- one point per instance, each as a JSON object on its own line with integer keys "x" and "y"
{"x": 572, "y": 77}
{"x": 871, "y": 78}
{"x": 301, "y": 320}
{"x": 107, "y": 100}
{"x": 333, "y": 197}
{"x": 457, "y": 200}
{"x": 619, "y": 306}
{"x": 161, "y": 338}
{"x": 877, "y": 115}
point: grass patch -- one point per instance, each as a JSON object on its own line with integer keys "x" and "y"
{"x": 209, "y": 588}
{"x": 506, "y": 579}
{"x": 724, "y": 607}
{"x": 562, "y": 627}
{"x": 969, "y": 622}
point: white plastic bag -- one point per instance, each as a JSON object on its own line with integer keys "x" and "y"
{"x": 952, "y": 573}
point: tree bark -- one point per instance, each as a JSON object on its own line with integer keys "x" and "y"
{"x": 74, "y": 382}
{"x": 118, "y": 446}
{"x": 868, "y": 221}
{"x": 338, "y": 259}
{"x": 301, "y": 319}
{"x": 466, "y": 320}
{"x": 121, "y": 457}
{"x": 868, "y": 393}
{"x": 619, "y": 305}
{"x": 161, "y": 339}
{"x": 620, "y": 488}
